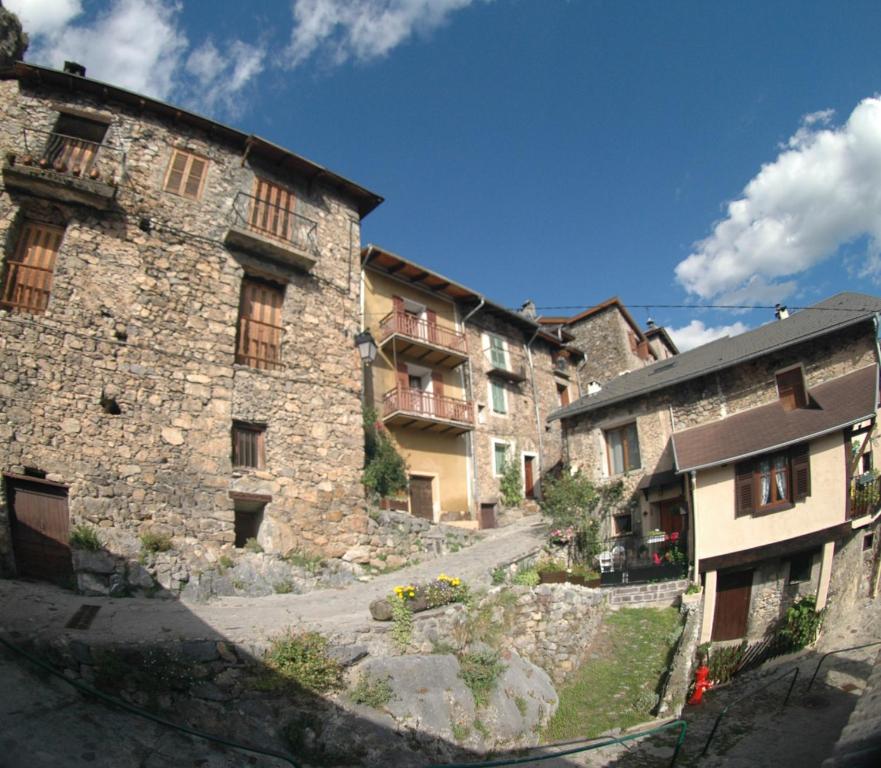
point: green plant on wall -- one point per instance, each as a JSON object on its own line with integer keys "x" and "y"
{"x": 385, "y": 472}
{"x": 801, "y": 624}
{"x": 511, "y": 483}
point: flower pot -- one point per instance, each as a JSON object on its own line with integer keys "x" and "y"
{"x": 553, "y": 577}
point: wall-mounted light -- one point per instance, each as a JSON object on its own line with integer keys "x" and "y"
{"x": 366, "y": 347}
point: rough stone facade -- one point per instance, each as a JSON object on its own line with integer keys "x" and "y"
{"x": 143, "y": 314}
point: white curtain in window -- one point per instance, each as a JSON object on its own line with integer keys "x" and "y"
{"x": 780, "y": 476}
{"x": 616, "y": 450}
{"x": 632, "y": 447}
{"x": 765, "y": 470}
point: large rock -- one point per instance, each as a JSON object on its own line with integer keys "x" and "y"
{"x": 13, "y": 41}
{"x": 93, "y": 562}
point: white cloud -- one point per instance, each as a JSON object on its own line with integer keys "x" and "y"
{"x": 44, "y": 17}
{"x": 823, "y": 191}
{"x": 220, "y": 80}
{"x": 696, "y": 333}
{"x": 362, "y": 29}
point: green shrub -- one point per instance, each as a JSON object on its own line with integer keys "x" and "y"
{"x": 372, "y": 692}
{"x": 302, "y": 659}
{"x": 528, "y": 577}
{"x": 499, "y": 576}
{"x": 460, "y": 732}
{"x": 155, "y": 542}
{"x": 225, "y": 562}
{"x": 85, "y": 537}
{"x": 385, "y": 472}
{"x": 801, "y": 624}
{"x": 511, "y": 484}
{"x": 550, "y": 565}
{"x": 252, "y": 545}
{"x": 693, "y": 588}
{"x": 480, "y": 670}
{"x": 723, "y": 662}
{"x": 283, "y": 587}
{"x": 308, "y": 562}
{"x": 520, "y": 702}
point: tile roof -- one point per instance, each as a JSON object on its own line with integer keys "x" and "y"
{"x": 832, "y": 314}
{"x": 834, "y": 404}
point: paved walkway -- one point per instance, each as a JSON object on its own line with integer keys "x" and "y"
{"x": 40, "y": 610}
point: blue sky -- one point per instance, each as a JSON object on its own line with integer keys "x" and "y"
{"x": 679, "y": 152}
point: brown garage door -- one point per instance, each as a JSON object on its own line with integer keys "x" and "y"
{"x": 733, "y": 592}
{"x": 421, "y": 503}
{"x": 40, "y": 529}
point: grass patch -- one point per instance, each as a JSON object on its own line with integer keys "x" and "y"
{"x": 371, "y": 691}
{"x": 302, "y": 659}
{"x": 155, "y": 542}
{"x": 85, "y": 537}
{"x": 480, "y": 670}
{"x": 619, "y": 688}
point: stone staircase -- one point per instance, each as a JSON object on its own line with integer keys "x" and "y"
{"x": 659, "y": 593}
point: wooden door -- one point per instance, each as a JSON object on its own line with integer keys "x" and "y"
{"x": 733, "y": 592}
{"x": 421, "y": 503}
{"x": 529, "y": 477}
{"x": 40, "y": 529}
{"x": 671, "y": 520}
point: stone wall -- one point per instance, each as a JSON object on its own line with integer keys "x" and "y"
{"x": 656, "y": 593}
{"x": 143, "y": 313}
{"x": 851, "y": 574}
{"x": 684, "y": 662}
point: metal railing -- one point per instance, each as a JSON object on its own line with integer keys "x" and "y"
{"x": 72, "y": 156}
{"x": 865, "y": 495}
{"x": 275, "y": 221}
{"x": 124, "y": 705}
{"x": 641, "y": 558}
{"x": 428, "y": 404}
{"x": 750, "y": 695}
{"x": 612, "y": 740}
{"x": 830, "y": 653}
{"x": 414, "y": 327}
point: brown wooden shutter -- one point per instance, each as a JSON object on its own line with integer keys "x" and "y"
{"x": 403, "y": 375}
{"x": 193, "y": 186}
{"x": 260, "y": 324}
{"x": 272, "y": 208}
{"x": 29, "y": 272}
{"x": 397, "y": 304}
{"x": 431, "y": 320}
{"x": 437, "y": 383}
{"x": 744, "y": 489}
{"x": 801, "y": 472}
{"x": 791, "y": 389}
{"x": 176, "y": 172}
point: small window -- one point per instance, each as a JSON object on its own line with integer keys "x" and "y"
{"x": 186, "y": 174}
{"x": 791, "y": 389}
{"x": 248, "y": 445}
{"x": 27, "y": 284}
{"x": 800, "y": 567}
{"x": 500, "y": 458}
{"x": 259, "y": 331}
{"x": 773, "y": 481}
{"x": 498, "y": 397}
{"x": 622, "y": 446}
{"x": 623, "y": 525}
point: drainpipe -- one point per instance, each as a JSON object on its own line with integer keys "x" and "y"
{"x": 538, "y": 424}
{"x": 471, "y": 442}
{"x": 689, "y": 498}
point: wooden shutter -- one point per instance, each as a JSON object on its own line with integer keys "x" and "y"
{"x": 29, "y": 272}
{"x": 403, "y": 375}
{"x": 744, "y": 489}
{"x": 431, "y": 321}
{"x": 186, "y": 174}
{"x": 272, "y": 209}
{"x": 437, "y": 383}
{"x": 260, "y": 324}
{"x": 801, "y": 472}
{"x": 397, "y": 304}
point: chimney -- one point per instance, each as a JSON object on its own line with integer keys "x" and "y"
{"x": 650, "y": 324}
{"x": 593, "y": 387}
{"x": 780, "y": 311}
{"x": 72, "y": 68}
{"x": 528, "y": 309}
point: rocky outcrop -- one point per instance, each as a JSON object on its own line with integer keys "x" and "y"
{"x": 13, "y": 41}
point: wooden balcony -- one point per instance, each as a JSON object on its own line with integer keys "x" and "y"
{"x": 508, "y": 370}
{"x": 404, "y": 407}
{"x": 430, "y": 344}
{"x": 65, "y": 168}
{"x": 865, "y": 496}
{"x": 273, "y": 231}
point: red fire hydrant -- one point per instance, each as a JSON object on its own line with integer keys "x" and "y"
{"x": 701, "y": 684}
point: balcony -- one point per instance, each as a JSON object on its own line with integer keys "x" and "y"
{"x": 65, "y": 168}
{"x": 429, "y": 344}
{"x": 404, "y": 407}
{"x": 502, "y": 367}
{"x": 657, "y": 556}
{"x": 273, "y": 231}
{"x": 865, "y": 495}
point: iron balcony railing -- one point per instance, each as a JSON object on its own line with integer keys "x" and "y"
{"x": 414, "y": 327}
{"x": 654, "y": 556}
{"x": 418, "y": 402}
{"x": 274, "y": 221}
{"x": 72, "y": 156}
{"x": 507, "y": 364}
{"x": 865, "y": 494}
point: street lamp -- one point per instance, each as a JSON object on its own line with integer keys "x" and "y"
{"x": 366, "y": 347}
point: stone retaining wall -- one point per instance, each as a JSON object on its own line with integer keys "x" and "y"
{"x": 682, "y": 669}
{"x": 666, "y": 592}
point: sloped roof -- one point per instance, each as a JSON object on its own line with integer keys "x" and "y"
{"x": 834, "y": 405}
{"x": 832, "y": 314}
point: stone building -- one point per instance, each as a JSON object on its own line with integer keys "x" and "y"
{"x": 753, "y": 454}
{"x": 463, "y": 385}
{"x": 612, "y": 341}
{"x": 176, "y": 332}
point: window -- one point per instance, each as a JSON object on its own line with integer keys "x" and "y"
{"x": 248, "y": 518}
{"x": 74, "y": 144}
{"x": 186, "y": 174}
{"x": 28, "y": 280}
{"x": 868, "y": 541}
{"x": 272, "y": 210}
{"x": 623, "y": 525}
{"x": 622, "y": 446}
{"x": 563, "y": 394}
{"x": 259, "y": 332}
{"x": 800, "y": 567}
{"x": 248, "y": 445}
{"x": 774, "y": 481}
{"x": 791, "y": 389}
{"x": 498, "y": 397}
{"x": 500, "y": 457}
{"x": 497, "y": 353}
